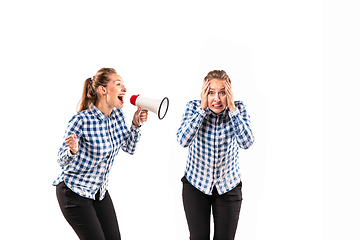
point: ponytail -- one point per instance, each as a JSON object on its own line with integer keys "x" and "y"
{"x": 89, "y": 95}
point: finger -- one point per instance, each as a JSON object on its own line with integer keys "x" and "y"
{"x": 70, "y": 144}
{"x": 228, "y": 87}
{"x": 227, "y": 84}
{"x": 138, "y": 110}
{"x": 206, "y": 87}
{"x": 142, "y": 113}
{"x": 228, "y": 91}
{"x": 72, "y": 135}
{"x": 206, "y": 83}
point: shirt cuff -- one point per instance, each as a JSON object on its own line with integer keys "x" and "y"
{"x": 135, "y": 128}
{"x": 201, "y": 112}
{"x": 235, "y": 117}
{"x": 70, "y": 155}
{"x": 234, "y": 112}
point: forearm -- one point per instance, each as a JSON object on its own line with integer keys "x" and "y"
{"x": 131, "y": 140}
{"x": 64, "y": 156}
{"x": 242, "y": 126}
{"x": 190, "y": 125}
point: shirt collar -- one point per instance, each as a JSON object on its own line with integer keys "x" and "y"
{"x": 210, "y": 113}
{"x": 99, "y": 114}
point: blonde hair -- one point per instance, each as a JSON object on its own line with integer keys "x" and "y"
{"x": 219, "y": 74}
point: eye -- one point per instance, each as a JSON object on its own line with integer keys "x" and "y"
{"x": 223, "y": 93}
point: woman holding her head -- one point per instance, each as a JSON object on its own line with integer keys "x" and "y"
{"x": 214, "y": 128}
{"x": 92, "y": 139}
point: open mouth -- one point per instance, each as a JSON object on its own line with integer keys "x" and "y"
{"x": 121, "y": 98}
{"x": 217, "y": 106}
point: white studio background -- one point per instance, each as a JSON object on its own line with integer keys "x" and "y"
{"x": 271, "y": 51}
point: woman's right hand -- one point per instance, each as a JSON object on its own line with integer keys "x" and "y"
{"x": 72, "y": 143}
{"x": 204, "y": 94}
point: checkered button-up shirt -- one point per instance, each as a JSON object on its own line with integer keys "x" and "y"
{"x": 100, "y": 139}
{"x": 214, "y": 141}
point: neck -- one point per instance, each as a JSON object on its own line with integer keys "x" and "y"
{"x": 104, "y": 107}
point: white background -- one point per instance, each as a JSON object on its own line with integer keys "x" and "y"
{"x": 279, "y": 54}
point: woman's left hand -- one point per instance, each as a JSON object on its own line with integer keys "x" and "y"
{"x": 140, "y": 116}
{"x": 229, "y": 96}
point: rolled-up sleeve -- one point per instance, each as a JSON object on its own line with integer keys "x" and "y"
{"x": 242, "y": 126}
{"x": 64, "y": 156}
{"x": 132, "y": 138}
{"x": 190, "y": 123}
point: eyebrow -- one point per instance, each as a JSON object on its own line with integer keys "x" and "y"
{"x": 214, "y": 88}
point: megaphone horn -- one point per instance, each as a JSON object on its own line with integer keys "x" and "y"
{"x": 157, "y": 106}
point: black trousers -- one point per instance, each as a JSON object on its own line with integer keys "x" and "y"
{"x": 225, "y": 207}
{"x": 90, "y": 219}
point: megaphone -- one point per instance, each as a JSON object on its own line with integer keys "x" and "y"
{"x": 157, "y": 106}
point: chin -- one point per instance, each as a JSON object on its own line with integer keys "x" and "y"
{"x": 217, "y": 110}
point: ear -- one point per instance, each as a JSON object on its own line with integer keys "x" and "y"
{"x": 102, "y": 90}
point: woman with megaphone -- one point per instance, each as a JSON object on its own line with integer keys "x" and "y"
{"x": 92, "y": 139}
{"x": 214, "y": 128}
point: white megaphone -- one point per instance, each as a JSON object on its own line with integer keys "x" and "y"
{"x": 157, "y": 106}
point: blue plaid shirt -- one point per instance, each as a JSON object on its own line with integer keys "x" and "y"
{"x": 214, "y": 141}
{"x": 100, "y": 138}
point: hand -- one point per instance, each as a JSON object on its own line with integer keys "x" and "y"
{"x": 72, "y": 143}
{"x": 204, "y": 94}
{"x": 140, "y": 116}
{"x": 229, "y": 96}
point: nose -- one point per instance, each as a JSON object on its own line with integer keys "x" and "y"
{"x": 124, "y": 89}
{"x": 217, "y": 98}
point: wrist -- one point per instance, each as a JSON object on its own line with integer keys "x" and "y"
{"x": 73, "y": 152}
{"x": 231, "y": 107}
{"x": 203, "y": 106}
{"x": 136, "y": 125}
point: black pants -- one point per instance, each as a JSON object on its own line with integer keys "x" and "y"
{"x": 225, "y": 207}
{"x": 90, "y": 219}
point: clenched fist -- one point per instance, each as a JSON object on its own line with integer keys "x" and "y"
{"x": 72, "y": 142}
